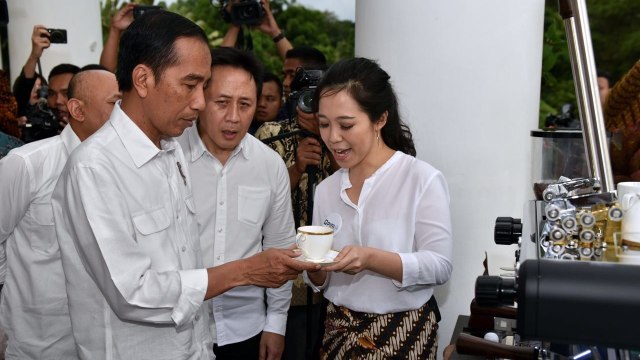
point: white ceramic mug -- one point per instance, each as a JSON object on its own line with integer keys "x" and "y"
{"x": 630, "y": 227}
{"x": 314, "y": 241}
{"x": 629, "y": 200}
{"x": 627, "y": 187}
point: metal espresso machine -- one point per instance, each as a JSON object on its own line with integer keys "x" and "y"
{"x": 570, "y": 291}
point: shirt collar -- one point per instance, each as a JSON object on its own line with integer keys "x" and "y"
{"x": 197, "y": 148}
{"x": 244, "y": 147}
{"x": 69, "y": 139}
{"x": 136, "y": 142}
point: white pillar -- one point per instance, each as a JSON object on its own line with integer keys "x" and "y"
{"x": 467, "y": 74}
{"x": 81, "y": 19}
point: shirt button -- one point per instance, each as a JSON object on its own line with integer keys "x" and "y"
{"x": 221, "y": 203}
{"x": 197, "y": 316}
{"x": 218, "y": 257}
{"x": 184, "y": 248}
{"x": 219, "y": 230}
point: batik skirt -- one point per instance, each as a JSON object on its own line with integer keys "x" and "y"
{"x": 404, "y": 335}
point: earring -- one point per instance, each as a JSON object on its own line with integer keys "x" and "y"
{"x": 378, "y": 138}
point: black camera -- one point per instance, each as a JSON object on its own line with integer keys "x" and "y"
{"x": 140, "y": 10}
{"x": 57, "y": 36}
{"x": 303, "y": 87}
{"x": 565, "y": 120}
{"x": 41, "y": 121}
{"x": 242, "y": 12}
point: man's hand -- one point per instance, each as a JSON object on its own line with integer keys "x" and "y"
{"x": 268, "y": 25}
{"x": 123, "y": 18}
{"x": 39, "y": 41}
{"x": 308, "y": 153}
{"x": 274, "y": 267}
{"x": 271, "y": 346}
{"x": 308, "y": 121}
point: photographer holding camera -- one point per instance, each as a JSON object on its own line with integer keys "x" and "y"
{"x": 44, "y": 120}
{"x": 252, "y": 13}
{"x": 27, "y": 78}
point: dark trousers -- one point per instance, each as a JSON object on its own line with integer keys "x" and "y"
{"x": 297, "y": 346}
{"x": 243, "y": 350}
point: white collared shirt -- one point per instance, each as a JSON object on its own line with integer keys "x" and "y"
{"x": 129, "y": 244}
{"x": 33, "y": 309}
{"x": 403, "y": 208}
{"x": 242, "y": 207}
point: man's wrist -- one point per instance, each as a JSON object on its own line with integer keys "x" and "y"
{"x": 278, "y": 37}
{"x": 115, "y": 30}
{"x": 296, "y": 170}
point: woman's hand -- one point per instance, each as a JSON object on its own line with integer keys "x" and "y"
{"x": 351, "y": 260}
{"x": 354, "y": 259}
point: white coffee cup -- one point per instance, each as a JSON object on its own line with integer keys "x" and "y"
{"x": 627, "y": 187}
{"x": 629, "y": 200}
{"x": 314, "y": 241}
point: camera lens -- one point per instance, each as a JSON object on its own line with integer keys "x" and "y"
{"x": 248, "y": 12}
{"x": 56, "y": 36}
{"x": 305, "y": 101}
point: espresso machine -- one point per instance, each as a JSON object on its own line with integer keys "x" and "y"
{"x": 570, "y": 291}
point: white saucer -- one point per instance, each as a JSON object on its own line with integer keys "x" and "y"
{"x": 329, "y": 258}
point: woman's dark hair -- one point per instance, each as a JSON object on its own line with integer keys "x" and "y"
{"x": 370, "y": 87}
{"x": 150, "y": 40}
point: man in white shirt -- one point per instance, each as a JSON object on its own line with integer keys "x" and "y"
{"x": 33, "y": 310}
{"x": 241, "y": 192}
{"x": 125, "y": 212}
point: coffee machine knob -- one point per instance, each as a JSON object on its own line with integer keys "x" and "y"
{"x": 507, "y": 231}
{"x": 495, "y": 290}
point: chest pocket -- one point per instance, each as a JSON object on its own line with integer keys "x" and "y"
{"x": 43, "y": 237}
{"x": 253, "y": 203}
{"x": 152, "y": 222}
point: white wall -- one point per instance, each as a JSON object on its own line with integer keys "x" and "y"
{"x": 467, "y": 74}
{"x": 81, "y": 19}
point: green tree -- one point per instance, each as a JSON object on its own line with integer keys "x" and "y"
{"x": 615, "y": 37}
{"x": 302, "y": 26}
{"x": 557, "y": 83}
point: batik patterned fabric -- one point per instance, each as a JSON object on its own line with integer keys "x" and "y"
{"x": 8, "y": 108}
{"x": 357, "y": 335}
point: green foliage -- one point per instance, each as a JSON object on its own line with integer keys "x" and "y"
{"x": 615, "y": 37}
{"x": 302, "y": 26}
{"x": 319, "y": 29}
{"x": 557, "y": 83}
{"x": 615, "y": 34}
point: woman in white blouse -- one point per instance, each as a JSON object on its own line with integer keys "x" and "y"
{"x": 390, "y": 212}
